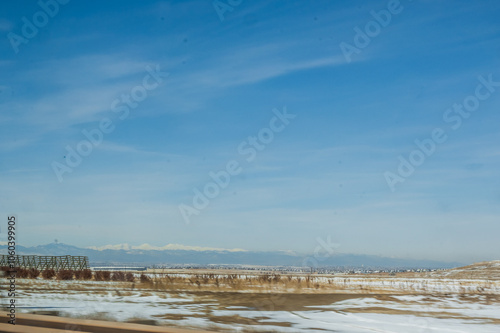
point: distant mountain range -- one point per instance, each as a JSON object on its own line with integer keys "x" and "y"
{"x": 225, "y": 257}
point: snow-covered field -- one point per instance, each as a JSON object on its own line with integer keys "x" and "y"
{"x": 266, "y": 312}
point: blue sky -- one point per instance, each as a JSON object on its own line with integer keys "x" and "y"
{"x": 323, "y": 175}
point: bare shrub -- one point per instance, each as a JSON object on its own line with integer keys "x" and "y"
{"x": 22, "y": 273}
{"x": 129, "y": 277}
{"x": 145, "y": 279}
{"x": 118, "y": 276}
{"x": 33, "y": 273}
{"x": 48, "y": 274}
{"x": 299, "y": 282}
{"x": 264, "y": 278}
{"x": 102, "y": 275}
{"x": 86, "y": 274}
{"x": 106, "y": 276}
{"x": 78, "y": 274}
{"x": 7, "y": 270}
{"x": 65, "y": 274}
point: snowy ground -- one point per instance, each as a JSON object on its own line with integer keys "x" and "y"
{"x": 258, "y": 312}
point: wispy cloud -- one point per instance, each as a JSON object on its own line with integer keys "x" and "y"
{"x": 13, "y": 145}
{"x": 250, "y": 65}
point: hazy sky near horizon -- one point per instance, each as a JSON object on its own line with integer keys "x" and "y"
{"x": 173, "y": 91}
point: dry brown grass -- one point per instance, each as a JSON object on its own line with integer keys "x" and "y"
{"x": 314, "y": 284}
{"x": 273, "y": 283}
{"x": 230, "y": 282}
{"x": 489, "y": 270}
